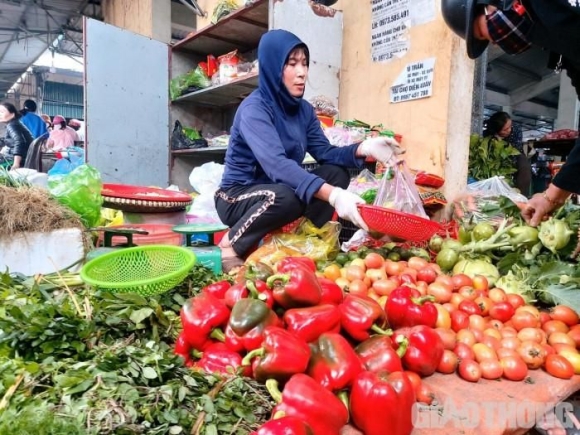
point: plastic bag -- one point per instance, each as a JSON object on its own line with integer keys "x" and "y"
{"x": 323, "y": 106}
{"x": 363, "y": 182}
{"x": 223, "y": 9}
{"x": 180, "y": 140}
{"x": 80, "y": 190}
{"x": 397, "y": 191}
{"x": 71, "y": 159}
{"x": 205, "y": 180}
{"x": 342, "y": 136}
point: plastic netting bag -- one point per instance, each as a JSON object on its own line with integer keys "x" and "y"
{"x": 397, "y": 191}
{"x": 480, "y": 202}
{"x": 80, "y": 190}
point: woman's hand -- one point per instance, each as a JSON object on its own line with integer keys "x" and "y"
{"x": 382, "y": 149}
{"x": 345, "y": 203}
{"x": 542, "y": 204}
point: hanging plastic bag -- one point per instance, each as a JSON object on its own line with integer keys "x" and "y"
{"x": 80, "y": 190}
{"x": 181, "y": 141}
{"x": 397, "y": 191}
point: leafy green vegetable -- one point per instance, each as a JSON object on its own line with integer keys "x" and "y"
{"x": 489, "y": 157}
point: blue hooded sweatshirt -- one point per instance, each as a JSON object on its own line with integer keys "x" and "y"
{"x": 273, "y": 131}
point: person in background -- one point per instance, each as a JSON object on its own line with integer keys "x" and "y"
{"x": 17, "y": 139}
{"x": 501, "y": 126}
{"x": 79, "y": 127}
{"x": 47, "y": 121}
{"x": 62, "y": 136}
{"x": 31, "y": 120}
{"x": 264, "y": 186}
{"x": 515, "y": 26}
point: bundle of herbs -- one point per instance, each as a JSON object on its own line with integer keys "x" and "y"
{"x": 88, "y": 362}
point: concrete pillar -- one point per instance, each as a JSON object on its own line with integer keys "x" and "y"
{"x": 151, "y": 18}
{"x": 435, "y": 129}
{"x": 478, "y": 106}
{"x": 568, "y": 105}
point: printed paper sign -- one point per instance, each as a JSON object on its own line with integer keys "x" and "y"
{"x": 416, "y": 81}
{"x": 391, "y": 20}
{"x": 422, "y": 11}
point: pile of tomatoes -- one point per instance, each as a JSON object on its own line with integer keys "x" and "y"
{"x": 487, "y": 333}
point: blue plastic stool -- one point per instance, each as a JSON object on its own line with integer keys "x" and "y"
{"x": 200, "y": 239}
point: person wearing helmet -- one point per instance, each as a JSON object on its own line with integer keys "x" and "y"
{"x": 31, "y": 120}
{"x": 264, "y": 186}
{"x": 514, "y": 26}
{"x": 62, "y": 136}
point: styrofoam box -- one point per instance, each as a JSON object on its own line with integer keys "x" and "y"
{"x": 34, "y": 252}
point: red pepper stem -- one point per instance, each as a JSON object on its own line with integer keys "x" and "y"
{"x": 376, "y": 328}
{"x": 343, "y": 396}
{"x": 247, "y": 360}
{"x": 283, "y": 278}
{"x": 196, "y": 353}
{"x": 278, "y": 414}
{"x": 254, "y": 293}
{"x": 403, "y": 345}
{"x": 421, "y": 300}
{"x": 272, "y": 387}
{"x": 218, "y": 335}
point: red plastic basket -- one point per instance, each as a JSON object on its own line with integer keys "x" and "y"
{"x": 398, "y": 224}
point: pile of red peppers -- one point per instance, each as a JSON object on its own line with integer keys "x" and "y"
{"x": 339, "y": 358}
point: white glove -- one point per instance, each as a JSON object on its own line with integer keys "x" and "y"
{"x": 383, "y": 149}
{"x": 345, "y": 203}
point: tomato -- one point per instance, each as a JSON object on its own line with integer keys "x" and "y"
{"x": 503, "y": 352}
{"x": 394, "y": 267}
{"x": 532, "y": 353}
{"x": 561, "y": 347}
{"x": 532, "y": 334}
{"x": 355, "y": 272}
{"x": 515, "y": 300}
{"x": 424, "y": 394}
{"x": 575, "y": 335}
{"x": 501, "y": 311}
{"x": 407, "y": 279}
{"x": 417, "y": 263}
{"x": 476, "y": 322}
{"x": 443, "y": 317}
{"x": 548, "y": 349}
{"x": 459, "y": 320}
{"x": 448, "y": 337}
{"x": 332, "y": 272}
{"x": 465, "y": 336}
{"x": 495, "y": 324}
{"x": 461, "y": 280}
{"x": 559, "y": 367}
{"x": 484, "y": 303}
{"x": 492, "y": 332}
{"x": 508, "y": 331}
{"x": 448, "y": 363}
{"x": 463, "y": 351}
{"x": 445, "y": 279}
{"x": 358, "y": 287}
{"x": 561, "y": 337}
{"x": 531, "y": 309}
{"x": 441, "y": 292}
{"x": 477, "y": 333}
{"x": 573, "y": 358}
{"x": 491, "y": 369}
{"x": 374, "y": 260}
{"x": 384, "y": 287}
{"x": 359, "y": 262}
{"x": 492, "y": 342}
{"x": 565, "y": 314}
{"x": 469, "y": 307}
{"x": 422, "y": 287}
{"x": 480, "y": 283}
{"x": 483, "y": 351}
{"x": 469, "y": 370}
{"x": 342, "y": 283}
{"x": 514, "y": 368}
{"x": 544, "y": 317}
{"x": 427, "y": 274}
{"x": 511, "y": 343}
{"x": 447, "y": 258}
{"x": 497, "y": 295}
{"x": 411, "y": 275}
{"x": 554, "y": 326}
{"x": 376, "y": 274}
{"x": 449, "y": 307}
{"x": 524, "y": 319}
{"x": 469, "y": 293}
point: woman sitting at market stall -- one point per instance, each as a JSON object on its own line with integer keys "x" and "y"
{"x": 501, "y": 126}
{"x": 17, "y": 140}
{"x": 264, "y": 186}
{"x": 61, "y": 136}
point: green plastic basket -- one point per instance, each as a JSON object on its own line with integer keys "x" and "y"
{"x": 146, "y": 270}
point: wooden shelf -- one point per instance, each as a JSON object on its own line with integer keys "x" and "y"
{"x": 223, "y": 95}
{"x": 240, "y": 30}
{"x": 208, "y": 150}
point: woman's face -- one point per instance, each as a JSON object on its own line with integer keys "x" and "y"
{"x": 506, "y": 130}
{"x": 295, "y": 73}
{"x": 5, "y": 115}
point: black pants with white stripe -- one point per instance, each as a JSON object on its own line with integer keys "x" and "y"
{"x": 251, "y": 212}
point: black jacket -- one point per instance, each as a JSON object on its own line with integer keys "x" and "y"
{"x": 557, "y": 28}
{"x": 18, "y": 139}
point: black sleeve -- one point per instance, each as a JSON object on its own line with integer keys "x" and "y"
{"x": 20, "y": 138}
{"x": 567, "y": 178}
{"x": 573, "y": 71}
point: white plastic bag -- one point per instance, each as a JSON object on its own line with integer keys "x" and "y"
{"x": 205, "y": 180}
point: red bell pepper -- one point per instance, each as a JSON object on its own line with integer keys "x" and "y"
{"x": 217, "y": 358}
{"x": 424, "y": 350}
{"x": 183, "y": 349}
{"x": 309, "y": 323}
{"x": 249, "y": 319}
{"x": 260, "y": 290}
{"x": 249, "y": 289}
{"x": 288, "y": 263}
{"x": 258, "y": 271}
{"x": 382, "y": 404}
{"x": 307, "y": 400}
{"x": 285, "y": 426}
{"x": 233, "y": 341}
{"x": 360, "y": 314}
{"x": 331, "y": 292}
{"x": 378, "y": 354}
{"x": 235, "y": 293}
{"x": 297, "y": 288}
{"x": 217, "y": 289}
{"x": 406, "y": 307}
{"x": 200, "y": 315}
{"x": 282, "y": 355}
{"x": 334, "y": 363}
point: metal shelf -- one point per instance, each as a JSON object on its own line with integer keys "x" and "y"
{"x": 222, "y": 95}
{"x": 208, "y": 150}
{"x": 240, "y": 30}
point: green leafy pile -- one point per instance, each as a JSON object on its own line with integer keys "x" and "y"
{"x": 490, "y": 157}
{"x": 96, "y": 363}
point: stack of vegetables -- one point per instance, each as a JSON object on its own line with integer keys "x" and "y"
{"x": 357, "y": 354}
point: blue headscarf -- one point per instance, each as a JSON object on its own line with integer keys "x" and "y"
{"x": 273, "y": 51}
